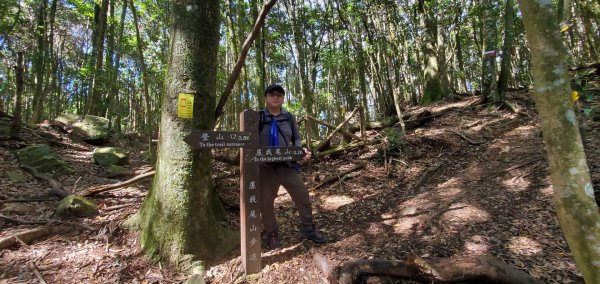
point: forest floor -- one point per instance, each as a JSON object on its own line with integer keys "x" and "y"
{"x": 472, "y": 181}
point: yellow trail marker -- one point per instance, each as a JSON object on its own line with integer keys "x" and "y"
{"x": 574, "y": 96}
{"x": 185, "y": 105}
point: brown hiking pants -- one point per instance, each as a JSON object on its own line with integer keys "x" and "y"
{"x": 269, "y": 181}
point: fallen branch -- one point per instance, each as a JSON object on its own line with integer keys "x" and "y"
{"x": 95, "y": 190}
{"x": 484, "y": 269}
{"x": 54, "y": 185}
{"x": 472, "y": 142}
{"x": 336, "y": 130}
{"x": 331, "y": 126}
{"x": 242, "y": 56}
{"x": 34, "y": 234}
{"x": 339, "y": 176}
{"x": 425, "y": 175}
{"x": 116, "y": 207}
{"x": 37, "y": 273}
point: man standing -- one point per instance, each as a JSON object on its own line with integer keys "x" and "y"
{"x": 279, "y": 128}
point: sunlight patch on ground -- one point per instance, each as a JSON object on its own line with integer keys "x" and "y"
{"x": 449, "y": 188}
{"x": 516, "y": 183}
{"x": 333, "y": 202}
{"x": 487, "y": 124}
{"x": 460, "y": 104}
{"x": 407, "y": 225}
{"x": 477, "y": 244}
{"x": 547, "y": 191}
{"x": 525, "y": 130}
{"x": 463, "y": 213}
{"x": 524, "y": 246}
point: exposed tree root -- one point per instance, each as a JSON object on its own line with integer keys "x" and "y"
{"x": 485, "y": 269}
{"x": 95, "y": 190}
{"x": 54, "y": 185}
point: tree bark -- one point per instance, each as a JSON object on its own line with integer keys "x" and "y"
{"x": 93, "y": 102}
{"x": 434, "y": 89}
{"x": 39, "y": 63}
{"x": 509, "y": 38}
{"x": 573, "y": 191}
{"x": 180, "y": 217}
{"x": 148, "y": 125}
{"x": 489, "y": 85}
{"x": 15, "y": 127}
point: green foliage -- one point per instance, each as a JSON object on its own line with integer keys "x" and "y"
{"x": 394, "y": 140}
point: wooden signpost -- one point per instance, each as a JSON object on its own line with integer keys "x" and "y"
{"x": 251, "y": 153}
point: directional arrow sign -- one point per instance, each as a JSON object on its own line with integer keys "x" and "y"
{"x": 219, "y": 139}
{"x": 273, "y": 154}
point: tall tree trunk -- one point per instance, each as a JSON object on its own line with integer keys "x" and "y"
{"x": 301, "y": 54}
{"x": 39, "y": 62}
{"x": 489, "y": 85}
{"x": 509, "y": 38}
{"x": 180, "y": 217}
{"x": 434, "y": 88}
{"x": 573, "y": 192}
{"x": 149, "y": 116}
{"x": 93, "y": 103}
{"x": 113, "y": 83}
{"x": 17, "y": 120}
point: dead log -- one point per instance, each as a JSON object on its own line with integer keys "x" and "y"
{"x": 338, "y": 149}
{"x": 96, "y": 190}
{"x": 54, "y": 185}
{"x": 321, "y": 145}
{"x": 485, "y": 269}
{"x": 373, "y": 125}
{"x": 339, "y": 176}
{"x": 331, "y": 126}
{"x": 418, "y": 119}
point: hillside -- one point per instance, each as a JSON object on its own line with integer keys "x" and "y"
{"x": 472, "y": 181}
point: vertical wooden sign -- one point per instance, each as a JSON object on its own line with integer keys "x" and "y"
{"x": 250, "y": 198}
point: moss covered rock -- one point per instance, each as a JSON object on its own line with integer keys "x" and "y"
{"x": 108, "y": 156}
{"x": 67, "y": 118}
{"x": 43, "y": 159}
{"x": 75, "y": 206}
{"x": 92, "y": 129}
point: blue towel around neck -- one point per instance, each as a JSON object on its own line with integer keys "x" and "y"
{"x": 274, "y": 137}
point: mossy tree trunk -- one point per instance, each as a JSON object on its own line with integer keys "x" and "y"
{"x": 489, "y": 86}
{"x": 435, "y": 89}
{"x": 573, "y": 191}
{"x": 180, "y": 216}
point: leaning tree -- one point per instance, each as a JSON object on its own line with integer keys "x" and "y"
{"x": 573, "y": 191}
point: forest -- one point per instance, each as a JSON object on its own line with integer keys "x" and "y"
{"x": 451, "y": 140}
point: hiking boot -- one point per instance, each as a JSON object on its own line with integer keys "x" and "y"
{"x": 273, "y": 241}
{"x": 313, "y": 235}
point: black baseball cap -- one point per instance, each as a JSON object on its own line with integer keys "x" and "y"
{"x": 274, "y": 87}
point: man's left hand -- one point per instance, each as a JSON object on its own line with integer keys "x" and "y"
{"x": 307, "y": 155}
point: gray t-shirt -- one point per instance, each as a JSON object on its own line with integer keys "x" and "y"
{"x": 284, "y": 121}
